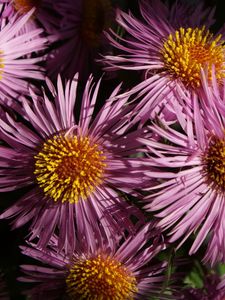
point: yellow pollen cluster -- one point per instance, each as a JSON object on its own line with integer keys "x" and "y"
{"x": 1, "y": 64}
{"x": 215, "y": 162}
{"x": 25, "y": 5}
{"x": 101, "y": 278}
{"x": 189, "y": 50}
{"x": 69, "y": 168}
{"x": 95, "y": 19}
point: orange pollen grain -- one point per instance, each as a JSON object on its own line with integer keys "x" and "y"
{"x": 96, "y": 18}
{"x": 101, "y": 277}
{"x": 25, "y": 5}
{"x": 188, "y": 50}
{"x": 215, "y": 162}
{"x": 69, "y": 168}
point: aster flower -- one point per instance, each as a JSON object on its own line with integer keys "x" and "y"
{"x": 81, "y": 37}
{"x": 45, "y": 13}
{"x": 190, "y": 194}
{"x": 169, "y": 46}
{"x": 15, "y": 69}
{"x": 108, "y": 271}
{"x": 77, "y": 168}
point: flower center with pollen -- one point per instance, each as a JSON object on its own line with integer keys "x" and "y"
{"x": 101, "y": 277}
{"x": 25, "y": 5}
{"x": 69, "y": 168}
{"x": 215, "y": 162}
{"x": 96, "y": 18}
{"x": 189, "y": 50}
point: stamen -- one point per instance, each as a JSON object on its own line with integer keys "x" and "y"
{"x": 215, "y": 162}
{"x": 188, "y": 50}
{"x": 101, "y": 277}
{"x": 1, "y": 64}
{"x": 25, "y": 5}
{"x": 69, "y": 168}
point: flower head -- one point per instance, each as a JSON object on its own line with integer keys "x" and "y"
{"x": 81, "y": 36}
{"x": 15, "y": 68}
{"x": 78, "y": 168}
{"x": 45, "y": 14}
{"x": 188, "y": 161}
{"x": 109, "y": 271}
{"x": 170, "y": 46}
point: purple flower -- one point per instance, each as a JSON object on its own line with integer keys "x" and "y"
{"x": 81, "y": 36}
{"x": 98, "y": 269}
{"x": 169, "y": 46}
{"x": 78, "y": 169}
{"x": 45, "y": 13}
{"x": 188, "y": 162}
{"x": 15, "y": 67}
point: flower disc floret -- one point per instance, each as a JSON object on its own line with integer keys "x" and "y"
{"x": 215, "y": 162}
{"x": 188, "y": 50}
{"x": 69, "y": 168}
{"x": 25, "y": 5}
{"x": 100, "y": 277}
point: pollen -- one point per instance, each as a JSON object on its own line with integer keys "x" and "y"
{"x": 215, "y": 162}
{"x": 69, "y": 168}
{"x": 188, "y": 50}
{"x": 96, "y": 18}
{"x": 24, "y": 6}
{"x": 101, "y": 277}
{"x": 2, "y": 66}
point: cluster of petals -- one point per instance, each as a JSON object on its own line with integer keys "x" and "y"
{"x": 110, "y": 129}
{"x": 81, "y": 37}
{"x": 133, "y": 253}
{"x": 15, "y": 67}
{"x": 140, "y": 49}
{"x": 45, "y": 14}
{"x": 187, "y": 197}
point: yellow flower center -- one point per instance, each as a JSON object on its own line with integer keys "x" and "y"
{"x": 95, "y": 19}
{"x": 25, "y": 5}
{"x": 189, "y": 50}
{"x": 69, "y": 168}
{"x": 215, "y": 162}
{"x": 101, "y": 278}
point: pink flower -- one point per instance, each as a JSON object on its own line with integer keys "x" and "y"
{"x": 45, "y": 13}
{"x": 169, "y": 46}
{"x": 98, "y": 269}
{"x": 189, "y": 167}
{"x": 15, "y": 68}
{"x": 76, "y": 162}
{"x": 81, "y": 37}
